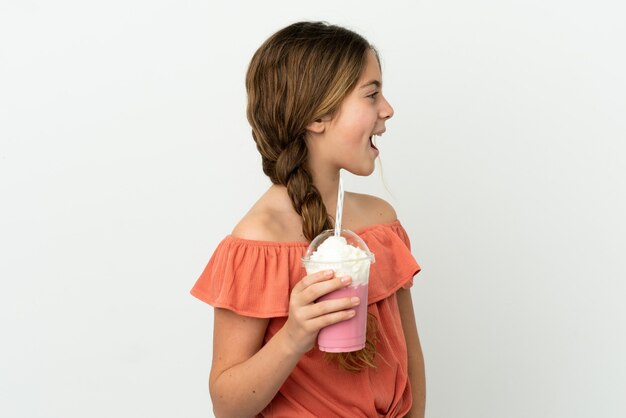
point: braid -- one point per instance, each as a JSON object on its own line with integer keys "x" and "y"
{"x": 290, "y": 170}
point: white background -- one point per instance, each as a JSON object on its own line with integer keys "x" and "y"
{"x": 125, "y": 157}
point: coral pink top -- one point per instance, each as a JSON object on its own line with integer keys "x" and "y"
{"x": 255, "y": 278}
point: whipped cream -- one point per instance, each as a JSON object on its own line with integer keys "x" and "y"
{"x": 346, "y": 260}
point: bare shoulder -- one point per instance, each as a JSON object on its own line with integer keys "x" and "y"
{"x": 271, "y": 219}
{"x": 257, "y": 225}
{"x": 372, "y": 209}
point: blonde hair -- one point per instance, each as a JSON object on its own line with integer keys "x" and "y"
{"x": 301, "y": 74}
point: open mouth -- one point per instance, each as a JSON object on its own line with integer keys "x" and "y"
{"x": 372, "y": 143}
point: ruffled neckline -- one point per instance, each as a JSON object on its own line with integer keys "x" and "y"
{"x": 255, "y": 278}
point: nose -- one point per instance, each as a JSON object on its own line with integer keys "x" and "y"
{"x": 386, "y": 111}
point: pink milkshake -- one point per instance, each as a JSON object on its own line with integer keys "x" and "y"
{"x": 346, "y": 255}
{"x": 348, "y": 335}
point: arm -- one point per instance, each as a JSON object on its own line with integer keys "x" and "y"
{"x": 245, "y": 375}
{"x": 417, "y": 375}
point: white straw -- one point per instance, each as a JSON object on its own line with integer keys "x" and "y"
{"x": 339, "y": 208}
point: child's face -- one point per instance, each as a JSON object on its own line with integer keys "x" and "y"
{"x": 346, "y": 140}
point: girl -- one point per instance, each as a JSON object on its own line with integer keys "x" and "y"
{"x": 314, "y": 102}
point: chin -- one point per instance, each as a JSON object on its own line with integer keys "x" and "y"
{"x": 361, "y": 171}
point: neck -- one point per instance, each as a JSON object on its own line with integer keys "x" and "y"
{"x": 327, "y": 183}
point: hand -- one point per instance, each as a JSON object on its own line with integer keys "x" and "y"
{"x": 306, "y": 317}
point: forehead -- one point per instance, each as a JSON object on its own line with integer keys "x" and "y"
{"x": 372, "y": 68}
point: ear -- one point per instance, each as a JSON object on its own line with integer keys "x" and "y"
{"x": 318, "y": 126}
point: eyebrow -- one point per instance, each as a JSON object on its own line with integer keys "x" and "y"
{"x": 370, "y": 83}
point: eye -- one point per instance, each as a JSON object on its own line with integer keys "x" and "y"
{"x": 373, "y": 95}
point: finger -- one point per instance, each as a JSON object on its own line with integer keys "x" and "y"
{"x": 313, "y": 278}
{"x": 317, "y": 290}
{"x": 329, "y": 306}
{"x": 332, "y": 318}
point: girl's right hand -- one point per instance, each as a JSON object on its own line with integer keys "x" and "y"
{"x": 307, "y": 318}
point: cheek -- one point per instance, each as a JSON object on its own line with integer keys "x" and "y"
{"x": 361, "y": 123}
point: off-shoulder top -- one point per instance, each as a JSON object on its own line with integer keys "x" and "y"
{"x": 255, "y": 278}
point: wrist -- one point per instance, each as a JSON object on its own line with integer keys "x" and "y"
{"x": 288, "y": 343}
